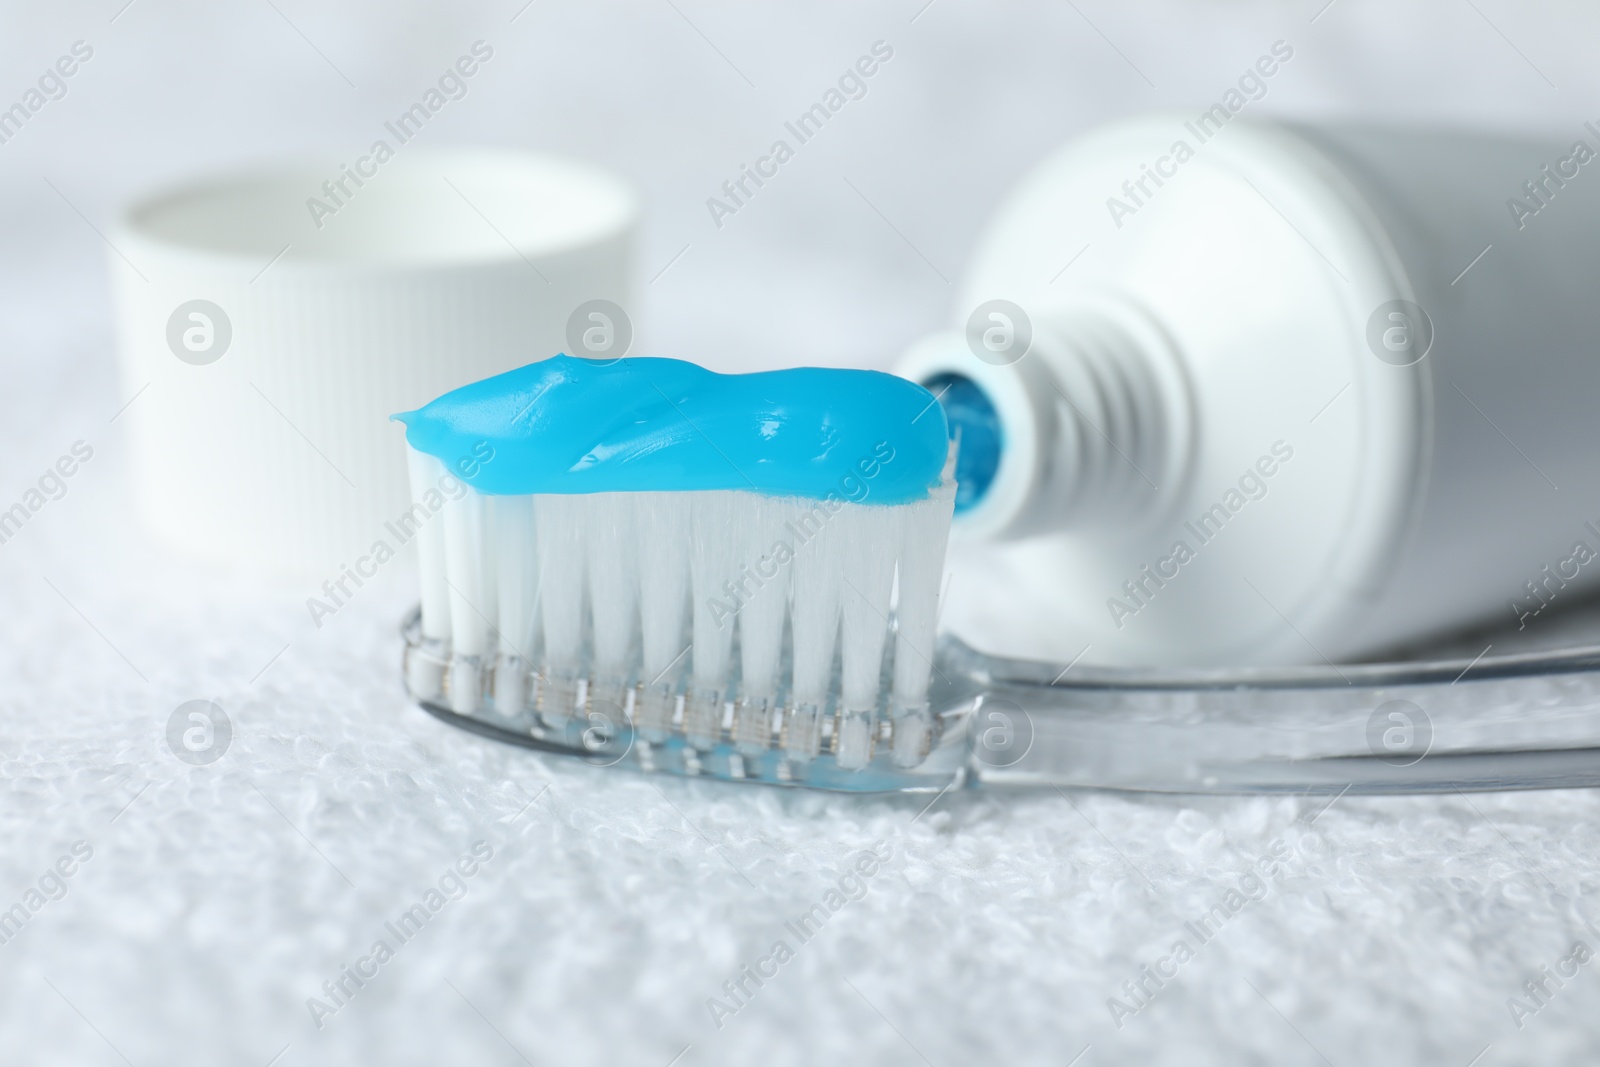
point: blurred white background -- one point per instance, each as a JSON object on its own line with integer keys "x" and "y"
{"x": 678, "y": 95}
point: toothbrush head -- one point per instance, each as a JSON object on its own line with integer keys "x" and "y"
{"x": 641, "y": 561}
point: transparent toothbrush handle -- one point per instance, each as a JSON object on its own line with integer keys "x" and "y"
{"x": 1513, "y": 722}
{"x": 1528, "y": 721}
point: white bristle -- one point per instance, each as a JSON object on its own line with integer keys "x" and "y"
{"x": 425, "y": 672}
{"x": 717, "y": 519}
{"x": 426, "y": 474}
{"x": 762, "y": 583}
{"x": 813, "y": 625}
{"x": 717, "y": 522}
{"x": 636, "y": 599}
{"x": 613, "y": 582}
{"x": 921, "y": 573}
{"x": 516, "y": 561}
{"x": 662, "y": 531}
{"x": 919, "y": 577}
{"x": 562, "y": 544}
{"x": 469, "y": 574}
{"x": 663, "y": 535}
{"x": 516, "y": 572}
{"x": 869, "y": 541}
{"x": 815, "y": 619}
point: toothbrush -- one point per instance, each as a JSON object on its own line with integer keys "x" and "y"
{"x": 733, "y": 575}
{"x": 600, "y": 578}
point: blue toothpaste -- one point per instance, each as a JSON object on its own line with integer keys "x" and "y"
{"x": 568, "y": 425}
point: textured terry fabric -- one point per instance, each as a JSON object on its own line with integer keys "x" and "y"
{"x": 219, "y": 898}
